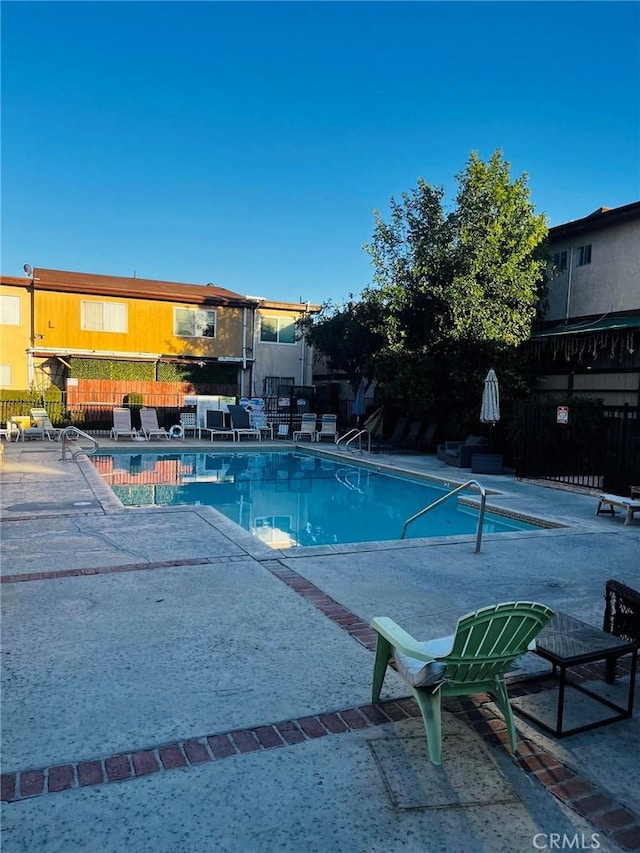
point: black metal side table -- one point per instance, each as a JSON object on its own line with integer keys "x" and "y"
{"x": 567, "y": 642}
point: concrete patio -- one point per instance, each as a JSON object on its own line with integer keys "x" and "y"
{"x": 172, "y": 684}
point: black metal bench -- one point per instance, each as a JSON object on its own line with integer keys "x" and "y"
{"x": 621, "y": 617}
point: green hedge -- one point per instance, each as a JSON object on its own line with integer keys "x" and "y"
{"x": 20, "y": 402}
{"x": 214, "y": 374}
{"x": 145, "y": 371}
{"x": 104, "y": 368}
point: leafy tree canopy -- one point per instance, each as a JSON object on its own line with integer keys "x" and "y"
{"x": 349, "y": 336}
{"x": 453, "y": 292}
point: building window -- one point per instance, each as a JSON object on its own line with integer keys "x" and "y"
{"x": 103, "y": 316}
{"x": 194, "y": 323}
{"x": 277, "y": 330}
{"x": 274, "y": 384}
{"x": 10, "y": 310}
{"x": 560, "y": 260}
{"x": 583, "y": 255}
{"x": 5, "y": 376}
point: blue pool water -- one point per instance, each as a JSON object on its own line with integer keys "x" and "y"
{"x": 293, "y": 499}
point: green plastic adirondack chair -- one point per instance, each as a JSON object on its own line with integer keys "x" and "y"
{"x": 473, "y": 660}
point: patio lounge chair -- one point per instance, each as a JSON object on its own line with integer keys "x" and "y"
{"x": 150, "y": 426}
{"x": 214, "y": 420}
{"x": 307, "y": 428}
{"x": 608, "y": 503}
{"x": 328, "y": 428}
{"x": 473, "y": 660}
{"x": 410, "y": 440}
{"x": 241, "y": 425}
{"x": 41, "y": 419}
{"x": 389, "y": 442}
{"x": 122, "y": 424}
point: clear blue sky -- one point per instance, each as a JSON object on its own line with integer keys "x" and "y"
{"x": 247, "y": 144}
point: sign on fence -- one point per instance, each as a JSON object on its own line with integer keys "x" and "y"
{"x": 562, "y": 415}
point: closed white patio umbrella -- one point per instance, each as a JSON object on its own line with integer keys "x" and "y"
{"x": 490, "y": 411}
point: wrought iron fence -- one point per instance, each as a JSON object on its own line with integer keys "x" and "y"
{"x": 96, "y": 416}
{"x": 598, "y": 446}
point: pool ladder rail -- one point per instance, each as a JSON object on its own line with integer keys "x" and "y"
{"x": 426, "y": 509}
{"x": 352, "y": 435}
{"x": 71, "y": 434}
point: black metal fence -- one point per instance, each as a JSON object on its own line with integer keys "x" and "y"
{"x": 583, "y": 444}
{"x": 97, "y": 416}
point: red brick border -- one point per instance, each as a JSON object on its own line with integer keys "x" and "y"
{"x": 599, "y": 808}
{"x": 604, "y": 813}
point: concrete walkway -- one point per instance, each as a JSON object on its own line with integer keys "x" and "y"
{"x": 172, "y": 684}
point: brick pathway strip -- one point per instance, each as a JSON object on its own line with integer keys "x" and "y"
{"x": 605, "y": 814}
{"x": 109, "y": 570}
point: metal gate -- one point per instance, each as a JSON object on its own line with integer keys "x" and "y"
{"x": 582, "y": 444}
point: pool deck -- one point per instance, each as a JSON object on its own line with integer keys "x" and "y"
{"x": 170, "y": 683}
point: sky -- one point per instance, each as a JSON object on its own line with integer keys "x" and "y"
{"x": 248, "y": 144}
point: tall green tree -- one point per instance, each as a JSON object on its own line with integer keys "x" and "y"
{"x": 461, "y": 288}
{"x": 349, "y": 336}
{"x": 454, "y": 292}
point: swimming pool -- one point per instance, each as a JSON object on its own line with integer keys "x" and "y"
{"x": 290, "y": 499}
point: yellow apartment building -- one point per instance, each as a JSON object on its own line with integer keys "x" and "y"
{"x": 57, "y": 325}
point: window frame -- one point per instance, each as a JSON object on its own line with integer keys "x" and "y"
{"x": 278, "y": 319}
{"x": 104, "y": 316}
{"x": 194, "y": 311}
{"x": 270, "y": 383}
{"x": 6, "y": 370}
{"x": 560, "y": 260}
{"x": 583, "y": 255}
{"x": 5, "y": 299}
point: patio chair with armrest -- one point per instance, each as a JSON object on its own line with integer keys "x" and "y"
{"x": 241, "y": 424}
{"x": 214, "y": 420}
{"x": 410, "y": 440}
{"x": 42, "y": 421}
{"x": 460, "y": 453}
{"x": 307, "y": 428}
{"x": 149, "y": 424}
{"x": 328, "y": 428}
{"x": 473, "y": 660}
{"x": 621, "y": 617}
{"x": 258, "y": 420}
{"x": 389, "y": 442}
{"x": 189, "y": 423}
{"x": 122, "y": 424}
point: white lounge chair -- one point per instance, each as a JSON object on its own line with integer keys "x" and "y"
{"x": 307, "y": 428}
{"x": 149, "y": 424}
{"x": 122, "y": 424}
{"x": 42, "y": 421}
{"x": 328, "y": 428}
{"x": 608, "y": 503}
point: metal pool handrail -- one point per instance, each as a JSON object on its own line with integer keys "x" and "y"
{"x": 65, "y": 439}
{"x": 483, "y": 501}
{"x": 352, "y": 435}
